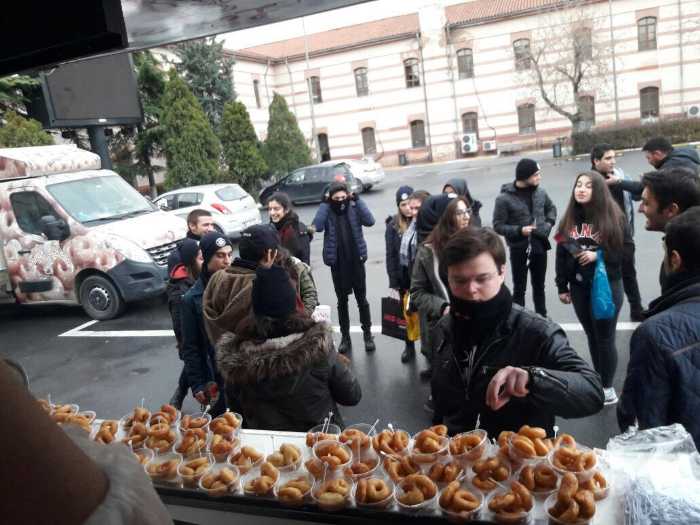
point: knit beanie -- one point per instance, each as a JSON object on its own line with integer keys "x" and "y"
{"x": 525, "y": 169}
{"x": 273, "y": 294}
{"x": 430, "y": 212}
{"x": 211, "y": 243}
{"x": 188, "y": 251}
{"x": 403, "y": 193}
{"x": 256, "y": 240}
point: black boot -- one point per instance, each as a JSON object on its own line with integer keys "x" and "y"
{"x": 369, "y": 342}
{"x": 426, "y": 375}
{"x": 409, "y": 352}
{"x": 345, "y": 344}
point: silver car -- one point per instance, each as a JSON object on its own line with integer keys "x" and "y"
{"x": 366, "y": 171}
{"x": 232, "y": 208}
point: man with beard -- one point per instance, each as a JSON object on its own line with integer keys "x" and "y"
{"x": 497, "y": 364}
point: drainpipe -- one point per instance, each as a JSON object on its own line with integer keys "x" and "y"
{"x": 314, "y": 137}
{"x": 267, "y": 91}
{"x": 680, "y": 52}
{"x": 428, "y": 138}
{"x": 449, "y": 53}
{"x": 614, "y": 64}
{"x": 291, "y": 85}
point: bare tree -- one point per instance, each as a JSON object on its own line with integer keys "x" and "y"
{"x": 567, "y": 60}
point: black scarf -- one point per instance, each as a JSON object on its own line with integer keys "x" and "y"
{"x": 475, "y": 321}
{"x": 347, "y": 259}
{"x": 339, "y": 207}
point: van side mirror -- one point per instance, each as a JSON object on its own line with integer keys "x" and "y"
{"x": 163, "y": 205}
{"x": 55, "y": 229}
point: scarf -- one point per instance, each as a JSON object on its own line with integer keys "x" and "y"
{"x": 339, "y": 207}
{"x": 407, "y": 252}
{"x": 476, "y": 320}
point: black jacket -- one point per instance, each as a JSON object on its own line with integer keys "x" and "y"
{"x": 197, "y": 351}
{"x": 662, "y": 386}
{"x": 678, "y": 158}
{"x": 561, "y": 383}
{"x": 462, "y": 189}
{"x": 398, "y": 276}
{"x": 175, "y": 291}
{"x": 510, "y": 214}
{"x": 288, "y": 383}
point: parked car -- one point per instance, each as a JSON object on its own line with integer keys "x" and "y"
{"x": 309, "y": 183}
{"x": 367, "y": 171}
{"x": 232, "y": 208}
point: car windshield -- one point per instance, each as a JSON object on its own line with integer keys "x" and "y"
{"x": 100, "y": 199}
{"x": 231, "y": 193}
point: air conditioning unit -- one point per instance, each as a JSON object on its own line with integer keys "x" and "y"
{"x": 693, "y": 111}
{"x": 470, "y": 143}
{"x": 489, "y": 145}
{"x": 649, "y": 120}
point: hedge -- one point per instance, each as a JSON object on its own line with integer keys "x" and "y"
{"x": 676, "y": 131}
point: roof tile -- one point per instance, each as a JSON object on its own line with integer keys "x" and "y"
{"x": 487, "y": 9}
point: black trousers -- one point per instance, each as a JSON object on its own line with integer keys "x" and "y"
{"x": 359, "y": 287}
{"x": 600, "y": 334}
{"x": 538, "y": 272}
{"x": 629, "y": 277}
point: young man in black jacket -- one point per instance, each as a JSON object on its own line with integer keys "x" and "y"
{"x": 524, "y": 214}
{"x": 661, "y": 387}
{"x": 495, "y": 362}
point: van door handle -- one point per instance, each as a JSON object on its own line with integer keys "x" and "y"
{"x": 23, "y": 252}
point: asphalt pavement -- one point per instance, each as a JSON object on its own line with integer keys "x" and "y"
{"x": 110, "y": 366}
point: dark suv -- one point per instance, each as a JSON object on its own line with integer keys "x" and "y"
{"x": 308, "y": 184}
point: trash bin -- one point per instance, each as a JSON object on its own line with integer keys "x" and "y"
{"x": 556, "y": 149}
{"x": 403, "y": 159}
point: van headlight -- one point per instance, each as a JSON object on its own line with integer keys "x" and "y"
{"x": 129, "y": 249}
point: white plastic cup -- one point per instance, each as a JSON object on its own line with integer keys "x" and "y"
{"x": 322, "y": 313}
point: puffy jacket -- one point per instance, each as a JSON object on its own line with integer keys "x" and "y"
{"x": 197, "y": 351}
{"x": 462, "y": 189}
{"x": 358, "y": 215}
{"x": 561, "y": 383}
{"x": 290, "y": 382}
{"x": 510, "y": 214}
{"x": 228, "y": 298}
{"x": 295, "y": 237}
{"x": 662, "y": 386}
{"x": 398, "y": 279}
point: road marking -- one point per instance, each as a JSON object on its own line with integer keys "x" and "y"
{"x": 79, "y": 331}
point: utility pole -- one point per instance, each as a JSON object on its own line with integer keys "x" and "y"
{"x": 680, "y": 52}
{"x": 314, "y": 137}
{"x": 614, "y": 64}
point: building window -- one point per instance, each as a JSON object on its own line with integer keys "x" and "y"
{"x": 470, "y": 123}
{"x": 368, "y": 143}
{"x": 323, "y": 147}
{"x": 583, "y": 45}
{"x": 526, "y": 118}
{"x": 649, "y": 102}
{"x": 410, "y": 68}
{"x": 256, "y": 90}
{"x": 646, "y": 33}
{"x": 418, "y": 134}
{"x": 315, "y": 89}
{"x": 586, "y": 106}
{"x": 521, "y": 50}
{"x": 361, "y": 83}
{"x": 465, "y": 63}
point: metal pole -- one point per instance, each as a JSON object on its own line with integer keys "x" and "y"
{"x": 680, "y": 52}
{"x": 317, "y": 150}
{"x": 428, "y": 138}
{"x": 614, "y": 64}
{"x": 98, "y": 144}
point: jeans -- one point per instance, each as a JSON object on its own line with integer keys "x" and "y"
{"x": 360, "y": 290}
{"x": 629, "y": 277}
{"x": 538, "y": 270}
{"x": 600, "y": 334}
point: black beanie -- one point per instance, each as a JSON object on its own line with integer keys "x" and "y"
{"x": 273, "y": 293}
{"x": 188, "y": 251}
{"x": 525, "y": 169}
{"x": 430, "y": 212}
{"x": 403, "y": 193}
{"x": 256, "y": 240}
{"x": 211, "y": 243}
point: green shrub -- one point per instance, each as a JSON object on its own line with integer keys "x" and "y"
{"x": 625, "y": 137}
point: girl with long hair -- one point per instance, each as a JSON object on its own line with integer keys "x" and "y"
{"x": 294, "y": 234}
{"x": 593, "y": 225}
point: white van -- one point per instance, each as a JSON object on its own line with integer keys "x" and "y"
{"x": 70, "y": 231}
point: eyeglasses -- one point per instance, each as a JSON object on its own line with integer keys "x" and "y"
{"x": 480, "y": 280}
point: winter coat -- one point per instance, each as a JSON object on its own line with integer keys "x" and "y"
{"x": 462, "y": 189}
{"x": 398, "y": 277}
{"x": 227, "y": 299}
{"x": 197, "y": 351}
{"x": 662, "y": 386}
{"x": 295, "y": 237}
{"x": 510, "y": 214}
{"x": 304, "y": 284}
{"x": 678, "y": 158}
{"x": 288, "y": 383}
{"x": 325, "y": 219}
{"x": 175, "y": 290}
{"x": 429, "y": 294}
{"x": 175, "y": 258}
{"x": 561, "y": 383}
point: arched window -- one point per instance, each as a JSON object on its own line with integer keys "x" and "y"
{"x": 470, "y": 123}
{"x": 410, "y": 68}
{"x": 526, "y": 118}
{"x": 649, "y": 102}
{"x": 521, "y": 51}
{"x": 418, "y": 134}
{"x": 361, "y": 84}
{"x": 315, "y": 83}
{"x": 368, "y": 143}
{"x": 646, "y": 33}
{"x": 465, "y": 63}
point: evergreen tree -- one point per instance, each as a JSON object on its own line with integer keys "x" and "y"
{"x": 192, "y": 150}
{"x": 241, "y": 147}
{"x": 285, "y": 148}
{"x": 15, "y": 91}
{"x": 19, "y": 131}
{"x": 209, "y": 73}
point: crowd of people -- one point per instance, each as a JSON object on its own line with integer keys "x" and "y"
{"x": 250, "y": 341}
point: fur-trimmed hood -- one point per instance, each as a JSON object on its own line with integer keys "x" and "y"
{"x": 245, "y": 361}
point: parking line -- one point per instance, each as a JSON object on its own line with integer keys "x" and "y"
{"x": 79, "y": 331}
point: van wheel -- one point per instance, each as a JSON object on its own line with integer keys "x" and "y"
{"x": 100, "y": 299}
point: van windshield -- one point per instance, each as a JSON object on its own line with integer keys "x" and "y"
{"x": 100, "y": 199}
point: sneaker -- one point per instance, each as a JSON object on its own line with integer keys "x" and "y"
{"x": 428, "y": 405}
{"x": 610, "y": 396}
{"x": 345, "y": 345}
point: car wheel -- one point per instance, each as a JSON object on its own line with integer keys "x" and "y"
{"x": 100, "y": 298}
